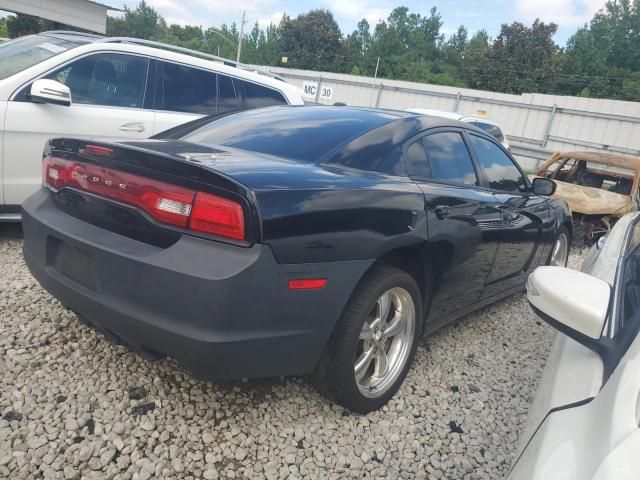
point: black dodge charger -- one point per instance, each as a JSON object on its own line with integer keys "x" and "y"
{"x": 290, "y": 240}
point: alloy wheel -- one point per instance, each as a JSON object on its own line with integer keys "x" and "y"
{"x": 560, "y": 252}
{"x": 385, "y": 342}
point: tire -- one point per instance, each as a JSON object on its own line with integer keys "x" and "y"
{"x": 335, "y": 375}
{"x": 580, "y": 235}
{"x": 562, "y": 262}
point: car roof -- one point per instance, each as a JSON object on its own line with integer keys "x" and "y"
{"x": 451, "y": 115}
{"x": 349, "y": 136}
{"x": 436, "y": 113}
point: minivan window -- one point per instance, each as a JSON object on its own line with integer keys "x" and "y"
{"x": 186, "y": 89}
{"x": 227, "y": 98}
{"x": 110, "y": 79}
{"x": 449, "y": 158}
{"x": 22, "y": 53}
{"x": 500, "y": 170}
{"x": 258, "y": 96}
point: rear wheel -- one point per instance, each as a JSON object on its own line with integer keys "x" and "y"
{"x": 374, "y": 342}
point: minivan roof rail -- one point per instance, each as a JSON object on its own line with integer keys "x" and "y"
{"x": 72, "y": 32}
{"x": 187, "y": 51}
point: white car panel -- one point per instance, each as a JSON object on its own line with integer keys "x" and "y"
{"x": 29, "y": 125}
{"x": 3, "y": 111}
{"x": 578, "y": 427}
{"x": 575, "y": 443}
{"x": 164, "y": 120}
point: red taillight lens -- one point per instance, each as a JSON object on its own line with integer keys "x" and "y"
{"x": 218, "y": 216}
{"x": 307, "y": 283}
{"x": 165, "y": 202}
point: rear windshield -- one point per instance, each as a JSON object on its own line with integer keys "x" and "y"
{"x": 22, "y": 53}
{"x": 300, "y": 133}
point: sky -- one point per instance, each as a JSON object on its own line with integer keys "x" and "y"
{"x": 474, "y": 14}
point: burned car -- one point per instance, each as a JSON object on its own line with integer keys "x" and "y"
{"x": 599, "y": 188}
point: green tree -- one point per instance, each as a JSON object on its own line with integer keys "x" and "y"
{"x": 143, "y": 21}
{"x": 603, "y": 58}
{"x": 311, "y": 41}
{"x": 524, "y": 59}
{"x": 4, "y": 33}
{"x": 475, "y": 62}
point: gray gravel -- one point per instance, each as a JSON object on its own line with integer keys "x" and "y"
{"x": 75, "y": 406}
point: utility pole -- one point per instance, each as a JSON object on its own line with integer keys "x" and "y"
{"x": 240, "y": 37}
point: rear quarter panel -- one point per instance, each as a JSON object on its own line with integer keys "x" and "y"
{"x": 359, "y": 221}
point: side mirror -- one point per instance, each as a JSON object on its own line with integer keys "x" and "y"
{"x": 50, "y": 91}
{"x": 543, "y": 186}
{"x": 570, "y": 301}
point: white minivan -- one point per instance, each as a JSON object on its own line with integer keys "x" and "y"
{"x": 58, "y": 84}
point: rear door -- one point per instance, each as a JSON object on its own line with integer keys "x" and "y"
{"x": 525, "y": 217}
{"x": 463, "y": 219}
{"x": 107, "y": 93}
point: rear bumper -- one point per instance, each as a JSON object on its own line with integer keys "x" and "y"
{"x": 221, "y": 311}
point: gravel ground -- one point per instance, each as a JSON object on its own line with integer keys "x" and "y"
{"x": 75, "y": 406}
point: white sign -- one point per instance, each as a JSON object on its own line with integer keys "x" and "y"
{"x": 310, "y": 91}
{"x": 326, "y": 93}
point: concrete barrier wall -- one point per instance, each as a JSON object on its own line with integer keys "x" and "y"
{"x": 536, "y": 124}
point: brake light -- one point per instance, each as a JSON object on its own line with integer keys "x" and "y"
{"x": 165, "y": 202}
{"x": 98, "y": 150}
{"x": 218, "y": 216}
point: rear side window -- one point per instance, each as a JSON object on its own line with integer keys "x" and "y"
{"x": 109, "y": 79}
{"x": 449, "y": 158}
{"x": 500, "y": 170}
{"x": 186, "y": 89}
{"x": 416, "y": 162}
{"x": 257, "y": 96}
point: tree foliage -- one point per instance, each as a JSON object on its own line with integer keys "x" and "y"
{"x": 602, "y": 59}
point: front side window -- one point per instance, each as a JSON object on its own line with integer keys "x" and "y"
{"x": 109, "y": 79}
{"x": 500, "y": 170}
{"x": 449, "y": 158}
{"x": 258, "y": 96}
{"x": 189, "y": 90}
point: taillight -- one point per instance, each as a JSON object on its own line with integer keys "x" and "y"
{"x": 165, "y": 202}
{"x": 217, "y": 216}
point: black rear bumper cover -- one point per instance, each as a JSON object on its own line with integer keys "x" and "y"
{"x": 221, "y": 311}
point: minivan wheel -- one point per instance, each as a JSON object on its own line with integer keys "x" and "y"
{"x": 374, "y": 342}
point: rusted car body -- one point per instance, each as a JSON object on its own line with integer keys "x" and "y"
{"x": 599, "y": 188}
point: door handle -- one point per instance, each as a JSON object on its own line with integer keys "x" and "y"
{"x": 132, "y": 127}
{"x": 441, "y": 211}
